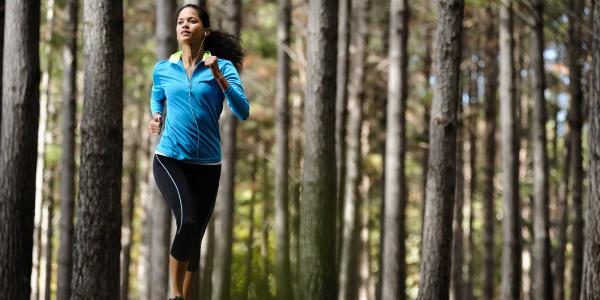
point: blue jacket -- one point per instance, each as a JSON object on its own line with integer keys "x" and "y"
{"x": 191, "y": 131}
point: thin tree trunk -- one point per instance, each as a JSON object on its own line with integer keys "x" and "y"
{"x": 591, "y": 270}
{"x": 282, "y": 232}
{"x": 456, "y": 272}
{"x": 250, "y": 240}
{"x": 129, "y": 204}
{"x": 223, "y": 212}
{"x": 207, "y": 254}
{"x": 575, "y": 118}
{"x": 489, "y": 168}
{"x": 341, "y": 115}
{"x": 472, "y": 114}
{"x": 2, "y": 9}
{"x": 47, "y": 234}
{"x": 393, "y": 262}
{"x": 317, "y": 219}
{"x": 365, "y": 291}
{"x": 434, "y": 280}
{"x": 264, "y": 291}
{"x": 20, "y": 116}
{"x": 159, "y": 213}
{"x": 350, "y": 248}
{"x": 98, "y": 227}
{"x": 511, "y": 228}
{"x": 563, "y": 206}
{"x": 37, "y": 269}
{"x": 542, "y": 274}
{"x": 67, "y": 176}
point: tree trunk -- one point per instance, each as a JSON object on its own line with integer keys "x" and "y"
{"x": 47, "y": 232}
{"x": 37, "y": 269}
{"x": 511, "y": 228}
{"x": 437, "y": 234}
{"x": 395, "y": 191}
{"x": 20, "y": 116}
{"x": 350, "y": 248}
{"x": 67, "y": 176}
{"x": 456, "y": 272}
{"x": 98, "y": 227}
{"x": 2, "y": 9}
{"x": 489, "y": 169}
{"x": 591, "y": 270}
{"x": 575, "y": 118}
{"x": 542, "y": 274}
{"x": 264, "y": 291}
{"x": 129, "y": 203}
{"x": 250, "y": 240}
{"x": 207, "y": 254}
{"x": 223, "y": 212}
{"x": 317, "y": 206}
{"x": 563, "y": 222}
{"x": 282, "y": 232}
{"x": 341, "y": 115}
{"x": 159, "y": 215}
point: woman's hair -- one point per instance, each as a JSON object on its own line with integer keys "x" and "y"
{"x": 220, "y": 44}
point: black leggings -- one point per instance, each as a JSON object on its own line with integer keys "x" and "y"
{"x": 190, "y": 191}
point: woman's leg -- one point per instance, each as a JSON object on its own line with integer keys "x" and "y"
{"x": 187, "y": 284}
{"x": 177, "y": 277}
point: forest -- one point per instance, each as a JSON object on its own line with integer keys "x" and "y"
{"x": 395, "y": 149}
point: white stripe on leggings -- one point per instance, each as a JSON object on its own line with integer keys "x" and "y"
{"x": 176, "y": 188}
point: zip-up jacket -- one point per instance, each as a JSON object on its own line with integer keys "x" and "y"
{"x": 194, "y": 105}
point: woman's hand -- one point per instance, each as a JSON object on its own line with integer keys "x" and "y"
{"x": 213, "y": 65}
{"x": 155, "y": 124}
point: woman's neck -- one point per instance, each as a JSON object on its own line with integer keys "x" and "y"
{"x": 190, "y": 54}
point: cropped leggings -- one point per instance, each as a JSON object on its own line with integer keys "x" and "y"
{"x": 190, "y": 191}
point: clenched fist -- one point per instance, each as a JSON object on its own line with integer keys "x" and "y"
{"x": 155, "y": 124}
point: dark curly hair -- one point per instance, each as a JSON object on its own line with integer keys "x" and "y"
{"x": 220, "y": 44}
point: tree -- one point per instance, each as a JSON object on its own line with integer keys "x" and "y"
{"x": 350, "y": 248}
{"x": 490, "y": 97}
{"x": 437, "y": 233}
{"x": 158, "y": 215}
{"x": 223, "y": 211}
{"x": 98, "y": 227}
{"x": 282, "y": 229}
{"x": 542, "y": 275}
{"x": 317, "y": 207}
{"x": 395, "y": 193}
{"x": 575, "y": 119}
{"x": 67, "y": 178}
{"x": 511, "y": 227}
{"x": 456, "y": 272}
{"x": 18, "y": 135}
{"x": 591, "y": 270}
{"x": 341, "y": 113}
{"x": 2, "y": 9}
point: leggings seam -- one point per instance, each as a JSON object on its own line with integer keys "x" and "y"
{"x": 178, "y": 194}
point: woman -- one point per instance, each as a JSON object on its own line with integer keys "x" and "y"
{"x": 187, "y": 163}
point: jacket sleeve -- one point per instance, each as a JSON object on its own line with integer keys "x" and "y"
{"x": 157, "y": 99}
{"x": 236, "y": 99}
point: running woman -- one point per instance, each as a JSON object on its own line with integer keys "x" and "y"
{"x": 195, "y": 82}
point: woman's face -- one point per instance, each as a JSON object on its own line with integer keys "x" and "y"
{"x": 189, "y": 26}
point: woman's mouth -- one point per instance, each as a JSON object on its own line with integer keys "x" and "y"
{"x": 185, "y": 32}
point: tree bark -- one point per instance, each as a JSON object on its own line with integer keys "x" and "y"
{"x": 282, "y": 232}
{"x": 317, "y": 206}
{"x": 18, "y": 135}
{"x": 2, "y": 9}
{"x": 223, "y": 212}
{"x": 98, "y": 227}
{"x": 542, "y": 274}
{"x": 250, "y": 240}
{"x": 456, "y": 271}
{"x": 489, "y": 169}
{"x": 575, "y": 119}
{"x": 563, "y": 194}
{"x": 393, "y": 263}
{"x": 437, "y": 233}
{"x": 341, "y": 115}
{"x": 591, "y": 270}
{"x": 158, "y": 215}
{"x": 350, "y": 248}
{"x": 67, "y": 177}
{"x": 511, "y": 228}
